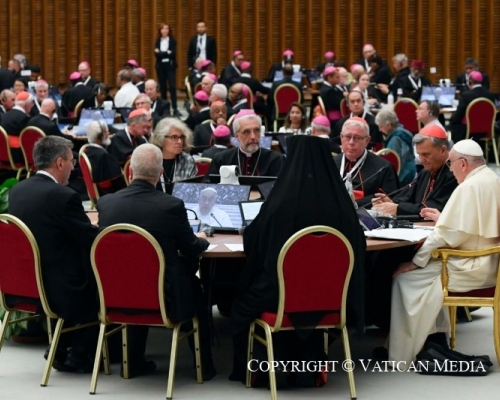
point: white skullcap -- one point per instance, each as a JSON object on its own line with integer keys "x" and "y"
{"x": 210, "y": 189}
{"x": 468, "y": 147}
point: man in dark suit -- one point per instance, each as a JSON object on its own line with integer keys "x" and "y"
{"x": 287, "y": 78}
{"x": 199, "y": 111}
{"x": 462, "y": 80}
{"x": 203, "y": 132}
{"x": 414, "y": 82}
{"x": 55, "y": 216}
{"x": 14, "y": 121}
{"x": 279, "y": 66}
{"x": 125, "y": 141}
{"x": 222, "y": 141}
{"x": 138, "y": 76}
{"x": 159, "y": 107}
{"x": 476, "y": 91}
{"x": 43, "y": 120}
{"x": 7, "y": 101}
{"x": 202, "y": 45}
{"x": 74, "y": 94}
{"x": 255, "y": 86}
{"x": 165, "y": 218}
{"x": 232, "y": 71}
{"x": 86, "y": 79}
{"x": 332, "y": 94}
{"x": 7, "y": 79}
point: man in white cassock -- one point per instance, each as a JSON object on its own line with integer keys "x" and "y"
{"x": 469, "y": 221}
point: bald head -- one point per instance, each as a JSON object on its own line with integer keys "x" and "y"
{"x": 48, "y": 106}
{"x": 7, "y": 99}
{"x": 151, "y": 89}
{"x": 368, "y": 51}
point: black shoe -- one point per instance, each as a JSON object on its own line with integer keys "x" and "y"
{"x": 209, "y": 372}
{"x": 142, "y": 367}
{"x": 177, "y": 114}
{"x": 79, "y": 361}
{"x": 59, "y": 360}
{"x": 381, "y": 353}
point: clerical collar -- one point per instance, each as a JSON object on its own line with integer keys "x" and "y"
{"x": 476, "y": 85}
{"x": 220, "y": 146}
{"x": 244, "y": 74}
{"x": 48, "y": 116}
{"x": 86, "y": 80}
{"x": 248, "y": 154}
{"x": 96, "y": 145}
{"x": 327, "y": 83}
{"x": 204, "y": 109}
{"x": 19, "y": 108}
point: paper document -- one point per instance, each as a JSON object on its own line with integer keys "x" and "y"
{"x": 234, "y": 247}
{"x": 412, "y": 235}
{"x": 211, "y": 247}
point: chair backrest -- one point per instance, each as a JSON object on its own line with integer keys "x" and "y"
{"x": 284, "y": 96}
{"x": 78, "y": 109}
{"x": 321, "y": 105}
{"x": 86, "y": 169}
{"x": 203, "y": 165}
{"x": 29, "y": 136}
{"x": 480, "y": 117}
{"x": 6, "y": 160}
{"x": 127, "y": 278}
{"x": 248, "y": 95}
{"x": 188, "y": 89}
{"x": 197, "y": 87}
{"x": 126, "y": 172}
{"x": 391, "y": 156}
{"x": 314, "y": 269}
{"x": 344, "y": 109}
{"x": 406, "y": 110}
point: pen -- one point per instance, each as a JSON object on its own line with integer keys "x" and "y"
{"x": 380, "y": 190}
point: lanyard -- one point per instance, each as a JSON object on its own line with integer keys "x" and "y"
{"x": 414, "y": 84}
{"x": 356, "y": 168}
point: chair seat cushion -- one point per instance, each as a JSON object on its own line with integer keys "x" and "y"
{"x": 146, "y": 318}
{"x": 332, "y": 318}
{"x": 487, "y": 292}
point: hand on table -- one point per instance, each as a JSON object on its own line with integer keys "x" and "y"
{"x": 386, "y": 207}
{"x": 404, "y": 267}
{"x": 430, "y": 214}
{"x": 381, "y": 198}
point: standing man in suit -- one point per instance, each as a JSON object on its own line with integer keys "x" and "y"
{"x": 476, "y": 91}
{"x": 55, "y": 216}
{"x": 202, "y": 45}
{"x": 125, "y": 141}
{"x": 165, "y": 218}
{"x": 166, "y": 64}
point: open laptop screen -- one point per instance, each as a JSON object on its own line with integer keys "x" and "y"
{"x": 215, "y": 205}
{"x": 443, "y": 95}
{"x": 88, "y": 115}
{"x": 249, "y": 210}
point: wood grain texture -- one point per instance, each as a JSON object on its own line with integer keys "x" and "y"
{"x": 57, "y": 35}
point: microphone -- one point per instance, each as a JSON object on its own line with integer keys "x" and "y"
{"x": 395, "y": 192}
{"x": 194, "y": 212}
{"x": 216, "y": 220}
{"x": 370, "y": 177}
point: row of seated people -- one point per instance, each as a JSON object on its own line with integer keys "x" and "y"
{"x": 431, "y": 189}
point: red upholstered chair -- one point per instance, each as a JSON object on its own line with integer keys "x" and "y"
{"x": 21, "y": 276}
{"x": 6, "y": 160}
{"x": 314, "y": 269}
{"x": 480, "y": 119}
{"x": 203, "y": 164}
{"x": 141, "y": 289}
{"x": 86, "y": 169}
{"x": 406, "y": 110}
{"x": 344, "y": 109}
{"x": 126, "y": 171}
{"x": 29, "y": 136}
{"x": 284, "y": 96}
{"x": 391, "y": 156}
{"x": 488, "y": 297}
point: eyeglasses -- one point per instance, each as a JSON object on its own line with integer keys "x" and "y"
{"x": 175, "y": 138}
{"x": 449, "y": 162}
{"x": 353, "y": 137}
{"x": 246, "y": 132}
{"x": 72, "y": 161}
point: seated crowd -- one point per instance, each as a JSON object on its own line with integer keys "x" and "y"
{"x": 329, "y": 162}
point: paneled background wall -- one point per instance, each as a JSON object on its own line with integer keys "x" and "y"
{"x": 57, "y": 34}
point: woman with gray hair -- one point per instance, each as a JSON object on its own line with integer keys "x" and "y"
{"x": 175, "y": 140}
{"x": 397, "y": 138}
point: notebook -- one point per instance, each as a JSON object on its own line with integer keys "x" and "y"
{"x": 214, "y": 205}
{"x": 249, "y": 210}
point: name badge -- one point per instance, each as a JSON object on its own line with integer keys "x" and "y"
{"x": 165, "y": 60}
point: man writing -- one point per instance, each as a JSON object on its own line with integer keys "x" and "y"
{"x": 165, "y": 218}
{"x": 465, "y": 223}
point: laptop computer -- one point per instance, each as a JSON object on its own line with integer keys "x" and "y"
{"x": 265, "y": 142}
{"x": 249, "y": 210}
{"x": 443, "y": 95}
{"x": 265, "y": 189}
{"x": 253, "y": 181}
{"x": 368, "y": 222}
{"x": 91, "y": 114}
{"x": 214, "y": 205}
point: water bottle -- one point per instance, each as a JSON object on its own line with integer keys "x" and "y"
{"x": 390, "y": 99}
{"x": 400, "y": 93}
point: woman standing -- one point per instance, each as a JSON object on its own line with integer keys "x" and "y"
{"x": 166, "y": 64}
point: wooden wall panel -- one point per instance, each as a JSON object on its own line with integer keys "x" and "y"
{"x": 57, "y": 34}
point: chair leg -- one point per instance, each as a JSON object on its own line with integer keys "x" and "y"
{"x": 105, "y": 356}
{"x": 52, "y": 352}
{"x": 49, "y": 329}
{"x": 453, "y": 325}
{"x": 173, "y": 361}
{"x": 248, "y": 382}
{"x": 125, "y": 353}
{"x": 97, "y": 360}
{"x": 495, "y": 151}
{"x": 347, "y": 351}
{"x": 3, "y": 329}
{"x": 325, "y": 341}
{"x": 197, "y": 351}
{"x": 496, "y": 331}
{"x": 270, "y": 357}
{"x": 467, "y": 314}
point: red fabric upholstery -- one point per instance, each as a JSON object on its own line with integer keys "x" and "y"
{"x": 285, "y": 95}
{"x": 87, "y": 178}
{"x": 4, "y": 146}
{"x": 14, "y": 142}
{"x": 344, "y": 109}
{"x": 149, "y": 318}
{"x": 128, "y": 275}
{"x": 202, "y": 167}
{"x": 391, "y": 157}
{"x": 481, "y": 117}
{"x": 406, "y": 109}
{"x": 314, "y": 280}
{"x": 329, "y": 319}
{"x": 17, "y": 269}
{"x": 28, "y": 139}
{"x": 488, "y": 292}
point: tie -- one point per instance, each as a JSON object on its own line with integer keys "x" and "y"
{"x": 201, "y": 41}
